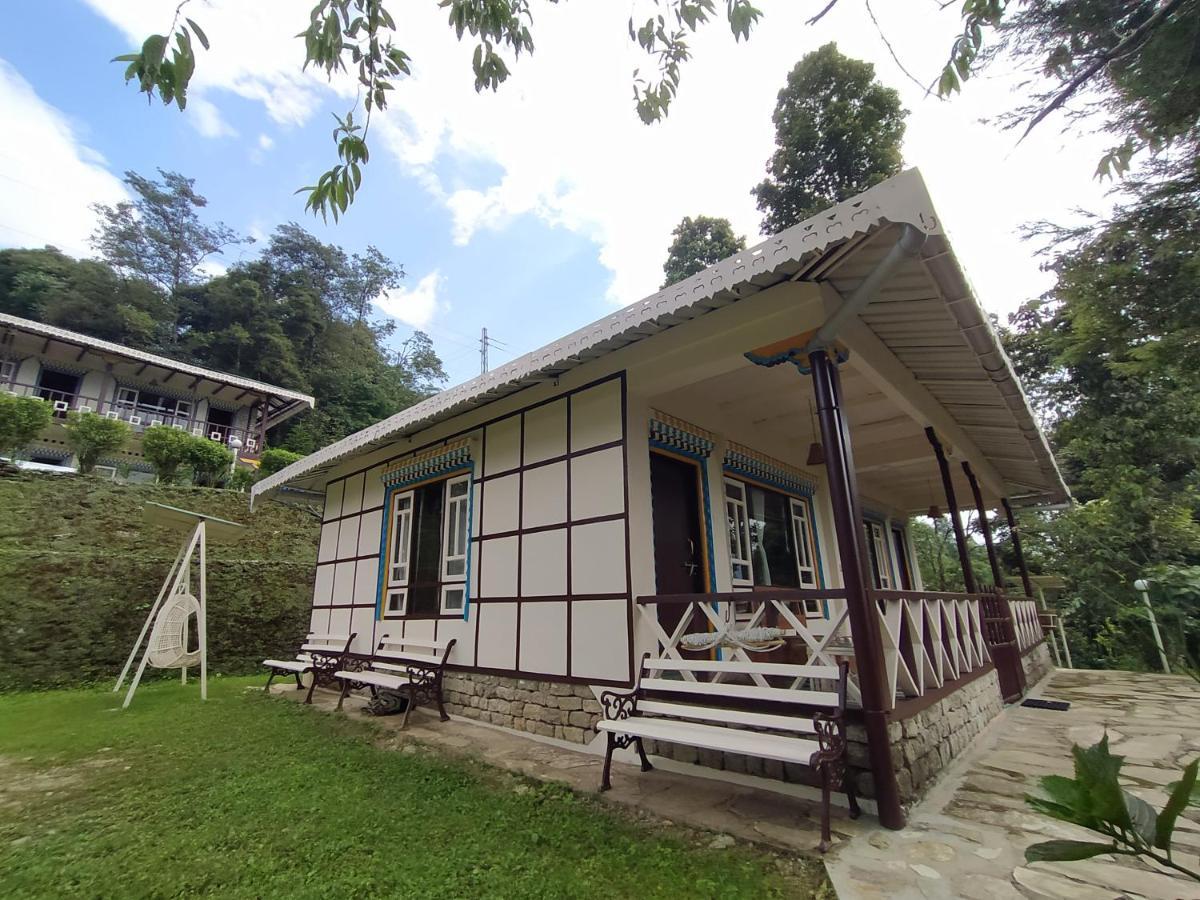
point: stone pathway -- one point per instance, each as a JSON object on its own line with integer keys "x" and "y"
{"x": 967, "y": 838}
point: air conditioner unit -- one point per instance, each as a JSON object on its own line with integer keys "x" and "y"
{"x": 61, "y": 405}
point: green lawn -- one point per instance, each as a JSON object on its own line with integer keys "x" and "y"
{"x": 248, "y": 796}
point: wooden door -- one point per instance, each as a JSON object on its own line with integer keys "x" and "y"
{"x": 678, "y": 546}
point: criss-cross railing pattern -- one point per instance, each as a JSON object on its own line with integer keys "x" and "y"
{"x": 930, "y": 639}
{"x": 1028, "y": 624}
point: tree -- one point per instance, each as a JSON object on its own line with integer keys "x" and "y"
{"x": 159, "y": 236}
{"x": 837, "y": 132}
{"x": 274, "y": 459}
{"x": 209, "y": 460}
{"x": 91, "y": 436}
{"x": 358, "y": 36}
{"x": 167, "y": 449}
{"x": 699, "y": 243}
{"x": 21, "y": 420}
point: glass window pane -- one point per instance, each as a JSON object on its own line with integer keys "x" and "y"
{"x": 459, "y": 488}
{"x": 455, "y": 567}
{"x": 454, "y": 600}
{"x": 772, "y": 543}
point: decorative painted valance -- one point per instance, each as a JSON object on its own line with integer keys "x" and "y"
{"x": 741, "y": 460}
{"x": 428, "y": 463}
{"x": 676, "y": 434}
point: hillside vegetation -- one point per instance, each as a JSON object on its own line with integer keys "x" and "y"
{"x": 80, "y": 567}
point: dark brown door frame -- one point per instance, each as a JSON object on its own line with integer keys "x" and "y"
{"x": 703, "y": 514}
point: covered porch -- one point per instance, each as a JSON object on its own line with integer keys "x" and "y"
{"x": 857, "y": 388}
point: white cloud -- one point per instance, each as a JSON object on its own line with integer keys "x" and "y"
{"x": 206, "y": 119}
{"x": 417, "y": 306}
{"x": 570, "y": 149}
{"x": 265, "y": 142}
{"x": 49, "y": 176}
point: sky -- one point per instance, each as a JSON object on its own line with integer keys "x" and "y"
{"x": 531, "y": 211}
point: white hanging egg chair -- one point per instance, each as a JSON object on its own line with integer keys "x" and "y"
{"x": 168, "y": 639}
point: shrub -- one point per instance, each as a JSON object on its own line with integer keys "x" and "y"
{"x": 241, "y": 480}
{"x": 21, "y": 420}
{"x": 91, "y": 436}
{"x": 166, "y": 449}
{"x": 209, "y": 460}
{"x": 275, "y": 459}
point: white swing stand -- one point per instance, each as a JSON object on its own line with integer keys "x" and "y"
{"x": 175, "y": 604}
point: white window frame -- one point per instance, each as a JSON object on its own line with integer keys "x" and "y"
{"x": 399, "y": 545}
{"x": 737, "y": 511}
{"x": 451, "y": 553}
{"x": 803, "y": 533}
{"x": 883, "y": 569}
{"x": 8, "y": 370}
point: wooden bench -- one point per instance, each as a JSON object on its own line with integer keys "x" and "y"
{"x": 320, "y": 654}
{"x": 410, "y": 666}
{"x": 725, "y": 715}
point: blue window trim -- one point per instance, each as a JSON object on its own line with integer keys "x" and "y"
{"x": 706, "y": 500}
{"x": 389, "y": 519}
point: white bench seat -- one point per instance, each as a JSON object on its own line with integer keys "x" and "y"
{"x": 320, "y": 654}
{"x": 716, "y": 737}
{"x": 413, "y": 666}
{"x": 802, "y": 723}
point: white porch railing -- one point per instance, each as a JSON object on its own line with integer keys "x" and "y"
{"x": 930, "y": 639}
{"x": 1028, "y": 624}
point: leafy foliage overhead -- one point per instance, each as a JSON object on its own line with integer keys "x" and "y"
{"x": 837, "y": 132}
{"x": 698, "y": 244}
{"x": 358, "y": 38}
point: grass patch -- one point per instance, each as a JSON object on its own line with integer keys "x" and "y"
{"x": 249, "y": 797}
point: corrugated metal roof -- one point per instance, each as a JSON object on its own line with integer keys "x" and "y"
{"x": 914, "y": 315}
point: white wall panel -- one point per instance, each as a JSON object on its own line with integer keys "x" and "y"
{"x": 596, "y": 415}
{"x": 352, "y": 494}
{"x": 347, "y": 545}
{"x": 544, "y": 564}
{"x": 502, "y": 446}
{"x": 544, "y": 638}
{"x": 366, "y": 581}
{"x": 362, "y": 623}
{"x": 333, "y": 500}
{"x": 545, "y": 495}
{"x": 600, "y": 639}
{"x": 327, "y": 549}
{"x": 343, "y": 582}
{"x": 498, "y": 576}
{"x": 339, "y": 621}
{"x": 497, "y": 635}
{"x": 463, "y": 632}
{"x": 323, "y": 586}
{"x": 500, "y": 498}
{"x": 369, "y": 533}
{"x": 373, "y": 487}
{"x": 318, "y": 623}
{"x": 546, "y": 431}
{"x": 598, "y": 484}
{"x": 598, "y": 558}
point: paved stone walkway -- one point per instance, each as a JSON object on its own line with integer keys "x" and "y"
{"x": 967, "y": 838}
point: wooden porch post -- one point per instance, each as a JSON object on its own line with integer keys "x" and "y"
{"x": 960, "y": 539}
{"x": 262, "y": 430}
{"x": 985, "y": 526}
{"x": 1016, "y": 540}
{"x": 852, "y": 553}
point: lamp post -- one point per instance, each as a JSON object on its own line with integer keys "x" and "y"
{"x": 1143, "y": 587}
{"x": 235, "y": 444}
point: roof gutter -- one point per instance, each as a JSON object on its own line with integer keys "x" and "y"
{"x": 907, "y": 245}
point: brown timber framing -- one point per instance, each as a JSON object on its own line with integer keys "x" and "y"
{"x": 481, "y": 480}
{"x": 852, "y": 552}
{"x": 960, "y": 539}
{"x": 985, "y": 526}
{"x": 1026, "y": 582}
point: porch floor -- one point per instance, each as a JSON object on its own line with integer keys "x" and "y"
{"x": 736, "y": 812}
{"x": 968, "y": 836}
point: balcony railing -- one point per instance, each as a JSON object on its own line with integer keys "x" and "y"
{"x": 139, "y": 417}
{"x": 931, "y": 639}
{"x": 1027, "y": 621}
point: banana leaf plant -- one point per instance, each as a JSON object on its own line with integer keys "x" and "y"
{"x": 1095, "y": 800}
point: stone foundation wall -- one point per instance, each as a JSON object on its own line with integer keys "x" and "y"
{"x": 924, "y": 744}
{"x": 568, "y": 712}
{"x": 1037, "y": 663}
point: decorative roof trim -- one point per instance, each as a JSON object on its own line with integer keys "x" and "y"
{"x": 428, "y": 463}
{"x": 759, "y": 466}
{"x": 680, "y": 435}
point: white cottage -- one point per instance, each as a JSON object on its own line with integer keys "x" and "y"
{"x": 742, "y": 449}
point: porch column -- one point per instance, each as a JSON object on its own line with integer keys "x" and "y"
{"x": 1016, "y": 542}
{"x": 262, "y": 430}
{"x": 852, "y": 553}
{"x": 960, "y": 539}
{"x": 985, "y": 526}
